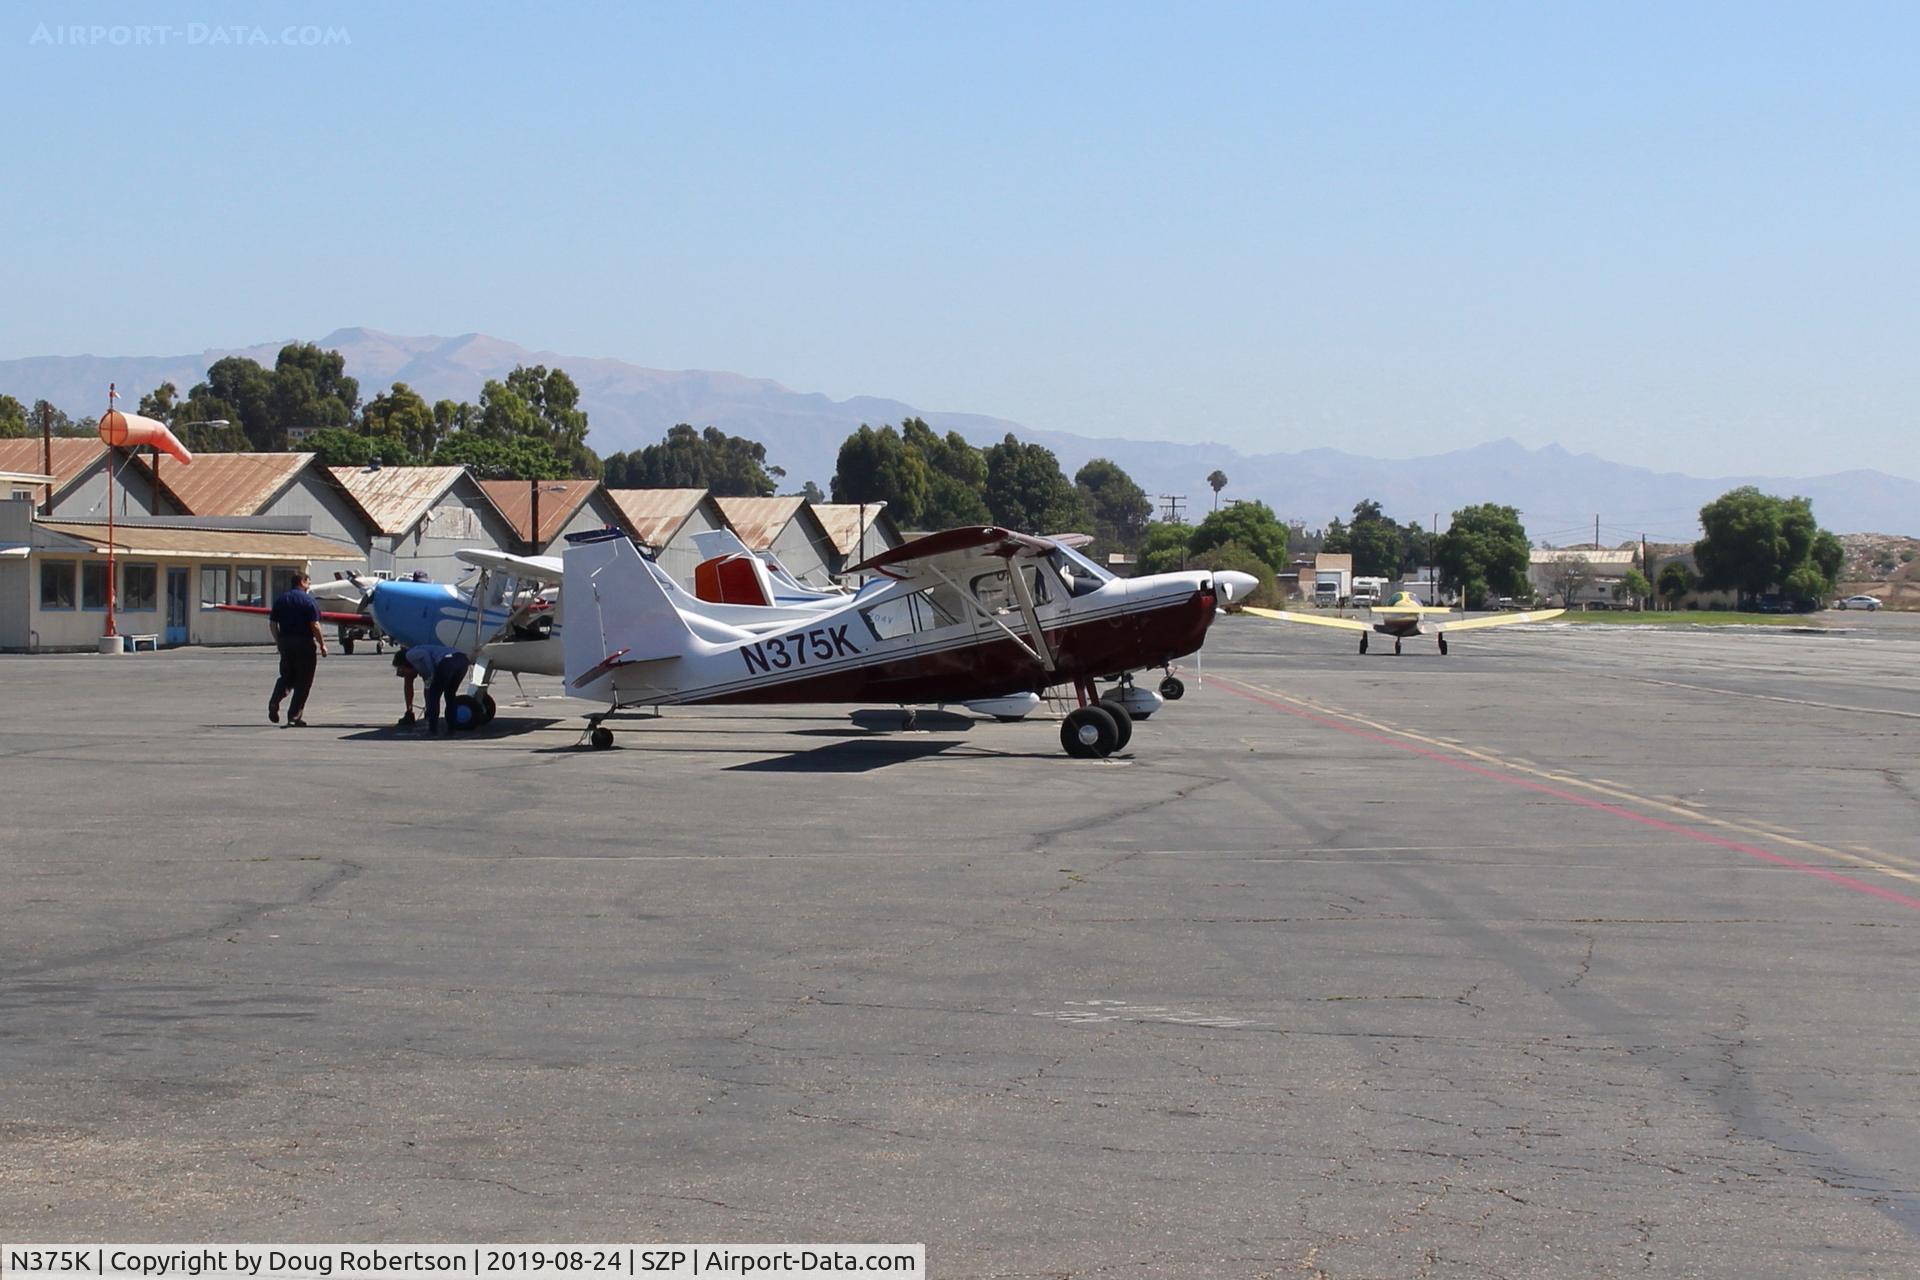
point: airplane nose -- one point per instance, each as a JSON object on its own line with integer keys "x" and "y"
{"x": 1234, "y": 585}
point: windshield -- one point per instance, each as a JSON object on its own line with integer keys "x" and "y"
{"x": 1079, "y": 573}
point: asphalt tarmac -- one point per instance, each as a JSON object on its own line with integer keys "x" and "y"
{"x": 1579, "y": 952}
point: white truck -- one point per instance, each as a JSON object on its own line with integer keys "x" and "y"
{"x": 1368, "y": 591}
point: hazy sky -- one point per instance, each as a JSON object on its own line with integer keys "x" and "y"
{"x": 1679, "y": 235}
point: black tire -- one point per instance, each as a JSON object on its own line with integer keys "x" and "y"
{"x": 1089, "y": 733}
{"x": 346, "y": 644}
{"x": 463, "y": 713}
{"x": 1172, "y": 689}
{"x": 1443, "y": 646}
{"x": 488, "y": 707}
{"x": 1363, "y": 643}
{"x": 601, "y": 737}
{"x": 1122, "y": 720}
{"x": 1396, "y": 648}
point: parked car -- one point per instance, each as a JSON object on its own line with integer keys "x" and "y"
{"x": 1858, "y": 602}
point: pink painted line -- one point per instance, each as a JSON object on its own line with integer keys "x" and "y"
{"x": 1645, "y": 820}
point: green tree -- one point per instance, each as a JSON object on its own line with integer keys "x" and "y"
{"x": 1637, "y": 586}
{"x": 1251, "y": 524}
{"x": 1121, "y": 508}
{"x": 1374, "y": 540}
{"x": 242, "y": 392}
{"x": 522, "y": 458}
{"x": 1676, "y": 580}
{"x": 13, "y": 419}
{"x": 879, "y": 466}
{"x": 1232, "y": 555}
{"x": 1416, "y": 546}
{"x": 956, "y": 477}
{"x": 1336, "y": 541}
{"x": 730, "y": 466}
{"x": 1484, "y": 550}
{"x": 1754, "y": 543}
{"x": 404, "y": 414}
{"x": 1164, "y": 549}
{"x": 160, "y": 403}
{"x": 811, "y": 492}
{"x": 1218, "y": 480}
{"x": 1027, "y": 492}
{"x": 342, "y": 447}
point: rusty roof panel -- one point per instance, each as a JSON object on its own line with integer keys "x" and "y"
{"x": 71, "y": 456}
{"x": 758, "y": 521}
{"x": 395, "y": 498}
{"x": 218, "y": 544}
{"x": 233, "y": 484}
{"x": 559, "y": 499}
{"x": 655, "y": 515}
{"x": 846, "y": 523}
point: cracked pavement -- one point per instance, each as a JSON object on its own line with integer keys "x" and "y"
{"x": 1264, "y": 997}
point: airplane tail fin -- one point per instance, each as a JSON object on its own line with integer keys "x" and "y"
{"x": 617, "y": 613}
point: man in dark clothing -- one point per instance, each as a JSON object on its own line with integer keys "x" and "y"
{"x": 295, "y": 623}
{"x": 442, "y": 668}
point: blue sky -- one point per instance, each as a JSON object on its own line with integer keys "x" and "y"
{"x": 1679, "y": 235}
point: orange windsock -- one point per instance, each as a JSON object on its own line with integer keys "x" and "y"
{"x": 121, "y": 429}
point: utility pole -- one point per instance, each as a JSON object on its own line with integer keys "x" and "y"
{"x": 46, "y": 454}
{"x": 1596, "y": 531}
{"x": 1172, "y": 513}
{"x": 1646, "y": 569}
{"x": 533, "y": 519}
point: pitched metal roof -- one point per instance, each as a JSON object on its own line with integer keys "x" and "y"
{"x": 846, "y": 522}
{"x": 212, "y": 544}
{"x": 655, "y": 515}
{"x": 71, "y": 456}
{"x": 395, "y": 498}
{"x": 758, "y": 521}
{"x": 233, "y": 484}
{"x": 559, "y": 499}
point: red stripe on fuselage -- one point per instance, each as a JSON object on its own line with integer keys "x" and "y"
{"x": 1151, "y": 636}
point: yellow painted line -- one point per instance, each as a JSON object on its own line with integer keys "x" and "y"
{"x": 1880, "y": 862}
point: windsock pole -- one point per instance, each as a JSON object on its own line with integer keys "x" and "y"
{"x": 112, "y": 395}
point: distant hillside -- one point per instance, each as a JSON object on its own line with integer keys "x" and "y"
{"x": 630, "y": 406}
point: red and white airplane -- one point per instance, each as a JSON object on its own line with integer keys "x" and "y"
{"x": 968, "y": 614}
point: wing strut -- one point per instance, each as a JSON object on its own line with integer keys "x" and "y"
{"x": 1043, "y": 654}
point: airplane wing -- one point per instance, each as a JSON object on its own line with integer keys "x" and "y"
{"x": 1281, "y": 615}
{"x": 338, "y": 619}
{"x": 949, "y": 551}
{"x": 1497, "y": 620}
{"x": 544, "y": 569}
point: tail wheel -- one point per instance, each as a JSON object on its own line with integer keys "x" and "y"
{"x": 1122, "y": 719}
{"x": 463, "y": 712}
{"x": 1090, "y": 733}
{"x": 1172, "y": 689}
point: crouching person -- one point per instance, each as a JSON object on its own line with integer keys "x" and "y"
{"x": 442, "y": 668}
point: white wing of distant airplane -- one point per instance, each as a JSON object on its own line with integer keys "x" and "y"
{"x": 1497, "y": 620}
{"x": 544, "y": 569}
{"x": 1313, "y": 619}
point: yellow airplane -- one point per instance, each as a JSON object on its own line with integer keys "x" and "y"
{"x": 1402, "y": 617}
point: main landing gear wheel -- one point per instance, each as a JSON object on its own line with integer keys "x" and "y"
{"x": 1122, "y": 719}
{"x": 464, "y": 712}
{"x": 1090, "y": 733}
{"x": 1443, "y": 646}
{"x": 1396, "y": 648}
{"x": 601, "y": 737}
{"x": 488, "y": 707}
{"x": 1172, "y": 689}
{"x": 1363, "y": 644}
{"x": 346, "y": 645}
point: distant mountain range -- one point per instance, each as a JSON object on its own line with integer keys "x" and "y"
{"x": 630, "y": 406}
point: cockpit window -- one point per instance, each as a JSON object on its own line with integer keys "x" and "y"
{"x": 1080, "y": 574}
{"x": 905, "y": 615}
{"x": 994, "y": 590}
